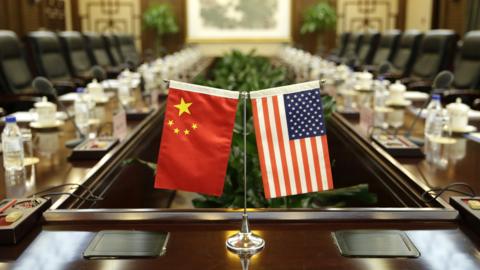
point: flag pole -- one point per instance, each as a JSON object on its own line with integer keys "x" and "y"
{"x": 244, "y": 241}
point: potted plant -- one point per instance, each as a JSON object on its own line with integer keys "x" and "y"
{"x": 161, "y": 19}
{"x": 319, "y": 18}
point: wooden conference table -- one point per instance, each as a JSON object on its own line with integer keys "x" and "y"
{"x": 295, "y": 239}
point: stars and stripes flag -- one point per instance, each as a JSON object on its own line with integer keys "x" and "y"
{"x": 291, "y": 139}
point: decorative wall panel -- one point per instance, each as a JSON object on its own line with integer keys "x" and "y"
{"x": 360, "y": 15}
{"x": 117, "y": 16}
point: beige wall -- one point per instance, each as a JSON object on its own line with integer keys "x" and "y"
{"x": 362, "y": 15}
{"x": 419, "y": 14}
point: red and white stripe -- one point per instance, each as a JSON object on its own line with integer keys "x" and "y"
{"x": 288, "y": 167}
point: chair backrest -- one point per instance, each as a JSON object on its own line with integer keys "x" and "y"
{"x": 467, "y": 65}
{"x": 368, "y": 47}
{"x": 404, "y": 57}
{"x": 387, "y": 47}
{"x": 434, "y": 53}
{"x": 15, "y": 76}
{"x": 113, "y": 49}
{"x": 75, "y": 51}
{"x": 353, "y": 45}
{"x": 128, "y": 49}
{"x": 342, "y": 43}
{"x": 97, "y": 50}
{"x": 48, "y": 55}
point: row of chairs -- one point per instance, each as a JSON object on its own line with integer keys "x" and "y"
{"x": 65, "y": 58}
{"x": 414, "y": 56}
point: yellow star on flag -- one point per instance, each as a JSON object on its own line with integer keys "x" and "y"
{"x": 194, "y": 126}
{"x": 186, "y": 131}
{"x": 183, "y": 107}
{"x": 170, "y": 123}
{"x": 176, "y": 131}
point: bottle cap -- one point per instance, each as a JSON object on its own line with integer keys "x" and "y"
{"x": 80, "y": 90}
{"x": 436, "y": 97}
{"x": 10, "y": 119}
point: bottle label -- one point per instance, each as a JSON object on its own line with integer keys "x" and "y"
{"x": 12, "y": 145}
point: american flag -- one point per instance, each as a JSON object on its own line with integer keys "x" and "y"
{"x": 291, "y": 139}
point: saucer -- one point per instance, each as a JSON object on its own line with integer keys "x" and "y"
{"x": 398, "y": 103}
{"x": 101, "y": 100}
{"x": 415, "y": 95}
{"x": 466, "y": 129}
{"x": 30, "y": 161}
{"x": 38, "y": 125}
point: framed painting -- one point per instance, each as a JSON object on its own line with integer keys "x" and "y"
{"x": 238, "y": 20}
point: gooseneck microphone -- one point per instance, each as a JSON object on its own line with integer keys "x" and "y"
{"x": 44, "y": 86}
{"x": 442, "y": 82}
{"x": 98, "y": 73}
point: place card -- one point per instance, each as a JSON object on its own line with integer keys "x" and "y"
{"x": 120, "y": 125}
{"x": 398, "y": 146}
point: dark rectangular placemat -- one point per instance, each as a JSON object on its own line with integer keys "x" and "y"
{"x": 375, "y": 243}
{"x": 125, "y": 244}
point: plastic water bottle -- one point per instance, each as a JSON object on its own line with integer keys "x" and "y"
{"x": 434, "y": 124}
{"x": 434, "y": 112}
{"x": 12, "y": 143}
{"x": 380, "y": 97}
{"x": 82, "y": 111}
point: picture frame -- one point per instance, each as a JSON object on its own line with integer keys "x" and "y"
{"x": 238, "y": 21}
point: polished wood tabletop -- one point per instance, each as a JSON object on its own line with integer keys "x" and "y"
{"x": 289, "y": 245}
{"x": 54, "y": 168}
{"x": 462, "y": 157}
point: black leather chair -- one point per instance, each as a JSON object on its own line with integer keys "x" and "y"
{"x": 352, "y": 48}
{"x": 97, "y": 51}
{"x": 75, "y": 51}
{"x": 435, "y": 54}
{"x": 113, "y": 49}
{"x": 15, "y": 76}
{"x": 404, "y": 57}
{"x": 467, "y": 64}
{"x": 128, "y": 49}
{"x": 338, "y": 52}
{"x": 50, "y": 61}
{"x": 387, "y": 48}
{"x": 368, "y": 47}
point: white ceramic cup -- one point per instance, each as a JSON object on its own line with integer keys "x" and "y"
{"x": 45, "y": 112}
{"x": 458, "y": 113}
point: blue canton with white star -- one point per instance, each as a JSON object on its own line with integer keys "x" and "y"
{"x": 304, "y": 114}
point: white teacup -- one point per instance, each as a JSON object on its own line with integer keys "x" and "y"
{"x": 95, "y": 89}
{"x": 45, "y": 112}
{"x": 397, "y": 91}
{"x": 458, "y": 113}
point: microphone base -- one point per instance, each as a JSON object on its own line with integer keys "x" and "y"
{"x": 74, "y": 142}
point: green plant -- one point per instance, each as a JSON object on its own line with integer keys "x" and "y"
{"x": 248, "y": 72}
{"x": 320, "y": 17}
{"x": 161, "y": 19}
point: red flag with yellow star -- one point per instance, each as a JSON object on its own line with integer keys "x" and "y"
{"x": 196, "y": 138}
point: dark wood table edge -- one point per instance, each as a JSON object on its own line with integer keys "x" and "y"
{"x": 212, "y": 215}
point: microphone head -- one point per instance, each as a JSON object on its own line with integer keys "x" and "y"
{"x": 43, "y": 86}
{"x": 443, "y": 80}
{"x": 384, "y": 68}
{"x": 98, "y": 73}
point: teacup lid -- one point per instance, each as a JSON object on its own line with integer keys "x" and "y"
{"x": 458, "y": 106}
{"x": 94, "y": 84}
{"x": 44, "y": 103}
{"x": 365, "y": 75}
{"x": 397, "y": 86}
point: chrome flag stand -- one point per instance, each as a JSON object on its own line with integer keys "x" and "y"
{"x": 244, "y": 241}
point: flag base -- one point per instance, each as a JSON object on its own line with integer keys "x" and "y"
{"x": 245, "y": 242}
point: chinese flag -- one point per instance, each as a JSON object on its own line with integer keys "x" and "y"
{"x": 196, "y": 138}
